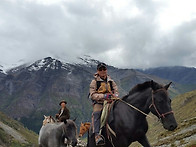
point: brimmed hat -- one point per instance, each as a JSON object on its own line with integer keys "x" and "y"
{"x": 63, "y": 101}
{"x": 101, "y": 65}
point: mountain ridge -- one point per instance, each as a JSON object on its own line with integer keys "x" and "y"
{"x": 35, "y": 89}
{"x": 178, "y": 74}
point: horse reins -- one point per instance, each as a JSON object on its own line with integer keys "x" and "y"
{"x": 132, "y": 106}
{"x": 153, "y": 104}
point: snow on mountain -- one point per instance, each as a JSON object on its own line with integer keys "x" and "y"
{"x": 46, "y": 63}
{"x": 88, "y": 61}
{"x": 2, "y": 71}
{"x": 1, "y": 68}
{"x": 55, "y": 64}
{"x": 43, "y": 64}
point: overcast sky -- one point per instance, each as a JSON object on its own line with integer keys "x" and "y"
{"x": 122, "y": 33}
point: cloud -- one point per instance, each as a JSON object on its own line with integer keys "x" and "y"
{"x": 126, "y": 34}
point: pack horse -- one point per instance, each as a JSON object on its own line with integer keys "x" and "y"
{"x": 55, "y": 134}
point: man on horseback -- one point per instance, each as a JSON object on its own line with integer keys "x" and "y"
{"x": 63, "y": 113}
{"x": 102, "y": 87}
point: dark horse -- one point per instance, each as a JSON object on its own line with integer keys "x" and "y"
{"x": 131, "y": 125}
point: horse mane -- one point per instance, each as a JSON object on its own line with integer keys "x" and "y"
{"x": 140, "y": 87}
{"x": 53, "y": 119}
{"x": 143, "y": 86}
{"x": 87, "y": 123}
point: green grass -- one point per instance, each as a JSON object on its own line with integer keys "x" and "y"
{"x": 4, "y": 137}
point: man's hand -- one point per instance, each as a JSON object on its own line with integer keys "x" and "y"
{"x": 115, "y": 95}
{"x": 107, "y": 95}
{"x": 57, "y": 116}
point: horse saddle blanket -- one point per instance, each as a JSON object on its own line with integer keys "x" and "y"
{"x": 107, "y": 113}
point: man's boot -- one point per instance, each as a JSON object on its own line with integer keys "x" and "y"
{"x": 99, "y": 140}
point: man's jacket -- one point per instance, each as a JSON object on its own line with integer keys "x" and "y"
{"x": 63, "y": 115}
{"x": 97, "y": 93}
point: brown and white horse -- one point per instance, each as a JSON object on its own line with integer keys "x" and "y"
{"x": 48, "y": 119}
{"x": 84, "y": 127}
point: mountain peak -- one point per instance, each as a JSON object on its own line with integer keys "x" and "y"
{"x": 46, "y": 63}
{"x": 88, "y": 61}
{"x": 52, "y": 63}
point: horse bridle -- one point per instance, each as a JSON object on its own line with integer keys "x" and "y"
{"x": 153, "y": 104}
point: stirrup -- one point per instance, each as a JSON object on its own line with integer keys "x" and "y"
{"x": 100, "y": 141}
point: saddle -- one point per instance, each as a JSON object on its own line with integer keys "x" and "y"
{"x": 107, "y": 117}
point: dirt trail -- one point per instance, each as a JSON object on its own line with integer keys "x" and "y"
{"x": 13, "y": 133}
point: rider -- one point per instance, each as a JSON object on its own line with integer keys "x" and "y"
{"x": 102, "y": 87}
{"x": 63, "y": 113}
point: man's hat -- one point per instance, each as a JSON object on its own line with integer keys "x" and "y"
{"x": 101, "y": 65}
{"x": 63, "y": 101}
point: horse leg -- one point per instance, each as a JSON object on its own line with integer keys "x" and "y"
{"x": 91, "y": 140}
{"x": 144, "y": 141}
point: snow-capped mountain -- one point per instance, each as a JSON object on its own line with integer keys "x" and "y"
{"x": 88, "y": 61}
{"x": 43, "y": 64}
{"x": 50, "y": 63}
{"x": 32, "y": 90}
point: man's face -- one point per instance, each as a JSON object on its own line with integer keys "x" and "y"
{"x": 102, "y": 71}
{"x": 63, "y": 105}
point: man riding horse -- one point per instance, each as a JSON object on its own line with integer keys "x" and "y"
{"x": 63, "y": 113}
{"x": 102, "y": 87}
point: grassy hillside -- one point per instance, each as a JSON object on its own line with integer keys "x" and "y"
{"x": 13, "y": 134}
{"x": 185, "y": 134}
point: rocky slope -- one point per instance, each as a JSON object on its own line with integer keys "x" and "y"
{"x": 13, "y": 133}
{"x": 185, "y": 114}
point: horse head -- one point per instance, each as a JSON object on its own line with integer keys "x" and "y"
{"x": 48, "y": 119}
{"x": 84, "y": 127}
{"x": 161, "y": 105}
{"x": 70, "y": 132}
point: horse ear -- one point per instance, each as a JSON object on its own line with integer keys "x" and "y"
{"x": 45, "y": 116}
{"x": 167, "y": 86}
{"x": 74, "y": 119}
